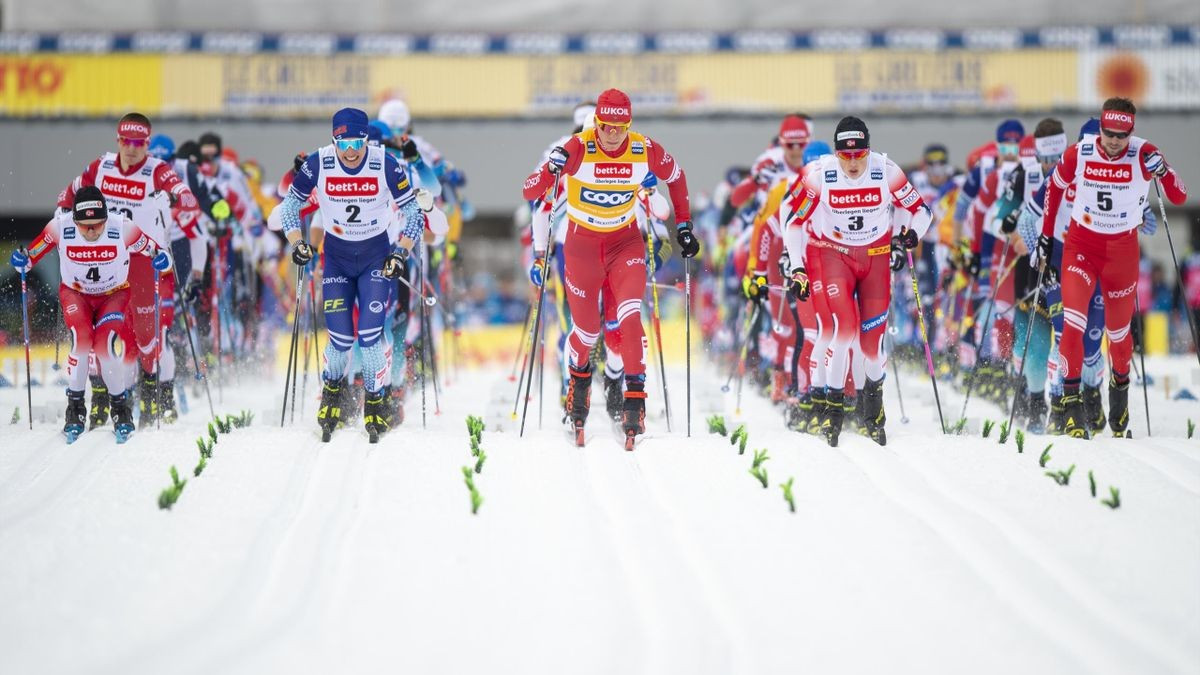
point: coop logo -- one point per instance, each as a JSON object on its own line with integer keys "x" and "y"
{"x": 613, "y": 170}
{"x": 605, "y": 198}
{"x": 119, "y": 187}
{"x": 351, "y": 186}
{"x": 859, "y": 197}
{"x": 91, "y": 254}
{"x": 1107, "y": 173}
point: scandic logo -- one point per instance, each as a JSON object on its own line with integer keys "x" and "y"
{"x": 337, "y": 185}
{"x": 1108, "y": 173}
{"x": 91, "y": 254}
{"x": 613, "y": 170}
{"x": 855, "y": 197}
{"x": 119, "y": 187}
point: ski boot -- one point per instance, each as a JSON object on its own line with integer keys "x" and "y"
{"x": 614, "y": 397}
{"x": 1020, "y": 408}
{"x": 147, "y": 401}
{"x": 579, "y": 400}
{"x": 780, "y": 379}
{"x": 354, "y": 395}
{"x": 166, "y": 397}
{"x": 852, "y": 412}
{"x": 122, "y": 416}
{"x": 98, "y": 416}
{"x": 1093, "y": 409}
{"x": 1035, "y": 413}
{"x": 329, "y": 415}
{"x": 1118, "y": 408}
{"x": 375, "y": 415}
{"x": 820, "y": 408}
{"x": 1074, "y": 418}
{"x": 872, "y": 411}
{"x": 395, "y": 396}
{"x": 633, "y": 413}
{"x": 798, "y": 413}
{"x": 77, "y": 414}
{"x": 831, "y": 426}
{"x": 1058, "y": 416}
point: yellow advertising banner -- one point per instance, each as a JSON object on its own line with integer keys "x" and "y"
{"x": 291, "y": 86}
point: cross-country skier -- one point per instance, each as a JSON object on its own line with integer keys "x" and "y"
{"x": 94, "y": 247}
{"x": 356, "y": 188}
{"x": 1111, "y": 173}
{"x": 604, "y": 167}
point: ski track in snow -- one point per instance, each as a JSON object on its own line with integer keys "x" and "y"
{"x": 929, "y": 555}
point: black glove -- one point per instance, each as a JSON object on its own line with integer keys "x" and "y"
{"x": 785, "y": 264}
{"x": 1050, "y": 279}
{"x": 897, "y": 255}
{"x": 408, "y": 150}
{"x": 302, "y": 253}
{"x": 798, "y": 284}
{"x": 908, "y": 238}
{"x": 1045, "y": 248}
{"x": 1009, "y": 224}
{"x": 754, "y": 287}
{"x": 558, "y": 159}
{"x": 689, "y": 246}
{"x": 195, "y": 287}
{"x": 973, "y": 264}
{"x": 395, "y": 263}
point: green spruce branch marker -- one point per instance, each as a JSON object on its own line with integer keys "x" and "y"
{"x": 760, "y": 456}
{"x": 200, "y": 466}
{"x": 16, "y": 416}
{"x": 170, "y": 495}
{"x": 475, "y": 449}
{"x": 468, "y": 477}
{"x": 716, "y": 425}
{"x": 1092, "y": 483}
{"x": 760, "y": 472}
{"x": 479, "y": 461}
{"x": 958, "y": 428}
{"x": 1062, "y": 477}
{"x": 1113, "y": 502}
{"x": 1045, "y": 456}
{"x": 987, "y": 428}
{"x": 1191, "y": 427}
{"x": 212, "y": 432}
{"x": 787, "y": 493}
{"x": 1020, "y": 437}
{"x": 476, "y": 502}
{"x": 1004, "y": 432}
{"x": 740, "y": 436}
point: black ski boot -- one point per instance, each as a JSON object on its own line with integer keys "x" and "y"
{"x": 122, "y": 416}
{"x": 614, "y": 397}
{"x": 98, "y": 416}
{"x": 1074, "y": 418}
{"x": 166, "y": 396}
{"x": 1093, "y": 408}
{"x": 354, "y": 395}
{"x": 579, "y": 400}
{"x": 1118, "y": 407}
{"x": 820, "y": 408}
{"x": 147, "y": 401}
{"x": 329, "y": 415}
{"x": 1035, "y": 411}
{"x": 376, "y": 417}
{"x": 831, "y": 425}
{"x": 633, "y": 413}
{"x": 1020, "y": 408}
{"x": 1058, "y": 416}
{"x": 852, "y": 414}
{"x": 871, "y": 404}
{"x": 799, "y": 412}
{"x": 77, "y": 415}
{"x": 395, "y": 396}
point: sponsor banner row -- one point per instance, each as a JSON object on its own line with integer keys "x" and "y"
{"x": 819, "y": 82}
{"x": 1055, "y": 37}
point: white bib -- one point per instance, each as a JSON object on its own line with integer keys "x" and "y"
{"x": 354, "y": 207}
{"x": 93, "y": 267}
{"x": 1109, "y": 195}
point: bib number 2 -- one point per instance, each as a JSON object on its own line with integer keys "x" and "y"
{"x": 352, "y": 211}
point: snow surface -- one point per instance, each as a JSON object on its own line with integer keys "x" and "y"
{"x": 932, "y": 555}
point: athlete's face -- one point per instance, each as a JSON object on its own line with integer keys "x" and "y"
{"x": 793, "y": 153}
{"x": 132, "y": 150}
{"x": 350, "y": 150}
{"x": 1114, "y": 143}
{"x": 611, "y": 136}
{"x": 91, "y": 229}
{"x": 853, "y": 162}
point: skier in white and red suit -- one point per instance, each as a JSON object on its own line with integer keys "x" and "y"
{"x": 1111, "y": 173}
{"x": 604, "y": 167}
{"x": 849, "y": 196}
{"x": 131, "y": 182}
{"x": 94, "y": 247}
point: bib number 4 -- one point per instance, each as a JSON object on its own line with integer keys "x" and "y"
{"x": 93, "y": 274}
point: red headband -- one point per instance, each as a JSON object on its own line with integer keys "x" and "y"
{"x": 1115, "y": 120}
{"x": 133, "y": 130}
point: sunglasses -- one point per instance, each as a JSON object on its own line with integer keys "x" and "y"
{"x": 795, "y": 145}
{"x": 132, "y": 142}
{"x": 345, "y": 144}
{"x": 852, "y": 154}
{"x": 1008, "y": 148}
{"x": 605, "y": 126}
{"x": 1049, "y": 159}
{"x": 1114, "y": 134}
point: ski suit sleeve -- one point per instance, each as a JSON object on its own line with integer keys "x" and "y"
{"x": 404, "y": 199}
{"x": 1030, "y": 219}
{"x": 802, "y": 200}
{"x": 66, "y": 198}
{"x": 204, "y": 198}
{"x": 44, "y": 242}
{"x": 967, "y": 193}
{"x": 668, "y": 170}
{"x": 138, "y": 241}
{"x": 302, "y": 186}
{"x": 1172, "y": 184}
{"x": 760, "y": 239}
{"x": 540, "y": 181}
{"x": 1060, "y": 180}
{"x": 907, "y": 197}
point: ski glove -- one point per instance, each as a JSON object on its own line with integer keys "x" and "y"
{"x": 20, "y": 260}
{"x": 798, "y": 284}
{"x": 908, "y": 238}
{"x": 1009, "y": 224}
{"x": 558, "y": 159}
{"x": 408, "y": 150}
{"x": 1155, "y": 164}
{"x": 1045, "y": 250}
{"x": 394, "y": 263}
{"x": 754, "y": 287}
{"x": 897, "y": 255}
{"x": 973, "y": 264}
{"x": 302, "y": 253}
{"x": 195, "y": 287}
{"x": 689, "y": 246}
{"x": 161, "y": 261}
{"x": 221, "y": 210}
{"x": 537, "y": 270}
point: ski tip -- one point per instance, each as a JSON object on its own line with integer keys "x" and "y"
{"x": 629, "y": 443}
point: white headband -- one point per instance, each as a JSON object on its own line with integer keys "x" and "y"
{"x": 1051, "y": 145}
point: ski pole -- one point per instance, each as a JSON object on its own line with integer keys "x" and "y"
{"x": 288, "y": 378}
{"x": 1162, "y": 209}
{"x": 25, "y": 328}
{"x": 433, "y": 355}
{"x": 158, "y": 338}
{"x": 687, "y": 335}
{"x": 1137, "y": 308}
{"x": 662, "y": 368}
{"x": 419, "y": 248}
{"x": 512, "y": 376}
{"x": 988, "y": 320}
{"x": 751, "y": 317}
{"x": 1012, "y": 414}
{"x": 312, "y": 320}
{"x": 189, "y": 327}
{"x": 300, "y": 274}
{"x": 912, "y": 271}
{"x": 540, "y": 303}
{"x": 895, "y": 369}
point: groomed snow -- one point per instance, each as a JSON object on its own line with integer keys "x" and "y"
{"x": 932, "y": 555}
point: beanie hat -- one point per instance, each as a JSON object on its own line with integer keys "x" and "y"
{"x": 936, "y": 152}
{"x": 851, "y": 134}
{"x": 90, "y": 204}
{"x": 613, "y": 107}
{"x": 1092, "y": 127}
{"x": 162, "y": 147}
{"x": 816, "y": 150}
{"x": 794, "y": 129}
{"x": 350, "y": 123}
{"x": 583, "y": 113}
{"x": 1010, "y": 131}
{"x": 395, "y": 114}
